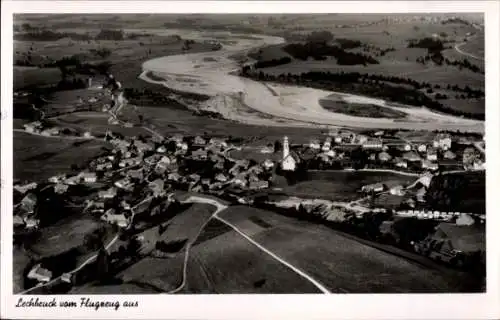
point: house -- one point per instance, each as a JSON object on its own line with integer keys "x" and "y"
{"x": 112, "y": 217}
{"x": 330, "y": 153}
{"x": 174, "y": 176}
{"x": 136, "y": 174}
{"x": 199, "y": 154}
{"x": 421, "y": 194}
{"x": 327, "y": 144}
{"x": 125, "y": 184}
{"x": 89, "y": 177}
{"x": 376, "y": 187}
{"x": 67, "y": 277}
{"x": 18, "y": 221}
{"x": 425, "y": 179}
{"x": 407, "y": 147}
{"x": 401, "y": 163}
{"x": 426, "y": 164}
{"x": 142, "y": 146}
{"x": 56, "y": 179}
{"x": 31, "y": 223}
{"x": 384, "y": 156}
{"x": 194, "y": 177}
{"x": 411, "y": 156}
{"x": 60, "y": 188}
{"x": 161, "y": 149}
{"x": 218, "y": 143}
{"x": 221, "y": 177}
{"x": 432, "y": 154}
{"x": 25, "y": 188}
{"x": 449, "y": 155}
{"x": 361, "y": 139}
{"x": 29, "y": 202}
{"x": 107, "y": 194}
{"x": 397, "y": 190}
{"x": 40, "y": 274}
{"x": 422, "y": 148}
{"x": 442, "y": 141}
{"x": 199, "y": 141}
{"x": 373, "y": 144}
{"x": 268, "y": 164}
{"x": 240, "y": 180}
{"x": 314, "y": 144}
{"x": 255, "y": 185}
{"x": 157, "y": 187}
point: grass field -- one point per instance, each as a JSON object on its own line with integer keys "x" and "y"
{"x": 342, "y": 185}
{"x": 20, "y": 261}
{"x": 341, "y": 264}
{"x": 66, "y": 234}
{"x": 28, "y": 76}
{"x": 361, "y": 110}
{"x": 37, "y": 158}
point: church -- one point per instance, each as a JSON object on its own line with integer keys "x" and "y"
{"x": 290, "y": 160}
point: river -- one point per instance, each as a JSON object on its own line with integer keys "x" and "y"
{"x": 212, "y": 73}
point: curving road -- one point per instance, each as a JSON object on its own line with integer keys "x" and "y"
{"x": 210, "y": 73}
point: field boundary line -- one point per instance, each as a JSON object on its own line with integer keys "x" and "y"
{"x": 290, "y": 266}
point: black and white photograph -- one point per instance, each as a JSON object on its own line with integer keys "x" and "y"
{"x": 246, "y": 153}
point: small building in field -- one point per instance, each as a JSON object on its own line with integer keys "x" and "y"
{"x": 401, "y": 163}
{"x": 112, "y": 217}
{"x": 422, "y": 148}
{"x": 40, "y": 274}
{"x": 411, "y": 156}
{"x": 384, "y": 156}
{"x": 376, "y": 187}
{"x": 432, "y": 154}
{"x": 397, "y": 190}
{"x": 449, "y": 155}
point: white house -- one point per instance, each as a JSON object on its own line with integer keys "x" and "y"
{"x": 268, "y": 164}
{"x": 89, "y": 177}
{"x": 432, "y": 154}
{"x": 427, "y": 164}
{"x": 314, "y": 144}
{"x": 401, "y": 163}
{"x": 107, "y": 194}
{"x": 422, "y": 148}
{"x": 40, "y": 274}
{"x": 112, "y": 217}
{"x": 327, "y": 144}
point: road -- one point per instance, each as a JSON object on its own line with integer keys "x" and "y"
{"x": 457, "y": 48}
{"x": 219, "y": 208}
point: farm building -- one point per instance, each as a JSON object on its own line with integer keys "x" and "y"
{"x": 40, "y": 274}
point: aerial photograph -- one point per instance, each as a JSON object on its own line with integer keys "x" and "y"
{"x": 249, "y": 153}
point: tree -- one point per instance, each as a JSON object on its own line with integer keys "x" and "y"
{"x": 278, "y": 146}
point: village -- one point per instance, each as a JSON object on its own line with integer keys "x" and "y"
{"x": 138, "y": 172}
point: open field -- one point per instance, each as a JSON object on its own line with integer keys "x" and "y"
{"x": 30, "y": 76}
{"x": 341, "y": 264}
{"x": 342, "y": 185}
{"x": 361, "y": 110}
{"x": 20, "y": 261}
{"x": 127, "y": 288}
{"x": 66, "y": 234}
{"x": 37, "y": 158}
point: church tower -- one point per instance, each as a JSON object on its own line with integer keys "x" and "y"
{"x": 286, "y": 148}
{"x": 288, "y": 162}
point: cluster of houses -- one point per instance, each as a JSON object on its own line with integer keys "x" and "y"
{"x": 402, "y": 155}
{"x": 37, "y": 127}
{"x": 152, "y": 167}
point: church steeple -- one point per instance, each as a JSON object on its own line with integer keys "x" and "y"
{"x": 286, "y": 148}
